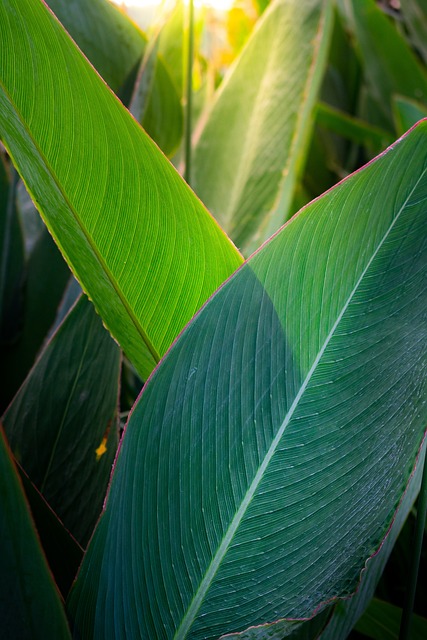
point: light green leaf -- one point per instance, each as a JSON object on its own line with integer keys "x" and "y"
{"x": 30, "y": 605}
{"x": 390, "y": 65}
{"x": 254, "y": 142}
{"x": 269, "y": 451}
{"x": 116, "y": 47}
{"x": 155, "y": 102}
{"x": 141, "y": 244}
{"x": 62, "y": 424}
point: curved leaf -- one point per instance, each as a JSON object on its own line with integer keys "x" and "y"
{"x": 267, "y": 454}
{"x": 62, "y": 424}
{"x": 141, "y": 244}
{"x": 30, "y": 606}
{"x": 247, "y": 159}
{"x": 115, "y": 46}
{"x": 349, "y": 611}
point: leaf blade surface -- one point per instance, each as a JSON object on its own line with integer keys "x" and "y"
{"x": 275, "y": 440}
{"x": 142, "y": 245}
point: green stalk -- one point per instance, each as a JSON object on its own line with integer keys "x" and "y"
{"x": 405, "y": 624}
{"x": 188, "y": 127}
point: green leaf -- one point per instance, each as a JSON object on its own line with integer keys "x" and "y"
{"x": 381, "y": 621}
{"x": 348, "y": 612}
{"x": 390, "y": 65}
{"x": 115, "y": 46}
{"x": 30, "y": 605}
{"x": 140, "y": 243}
{"x": 63, "y": 553}
{"x": 407, "y": 113}
{"x": 267, "y": 455}
{"x": 414, "y": 13}
{"x": 111, "y": 41}
{"x": 46, "y": 275}
{"x": 254, "y": 142}
{"x": 62, "y": 424}
{"x": 350, "y": 127}
{"x": 156, "y": 103}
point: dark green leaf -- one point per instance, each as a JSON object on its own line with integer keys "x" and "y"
{"x": 62, "y": 424}
{"x": 30, "y": 605}
{"x": 268, "y": 453}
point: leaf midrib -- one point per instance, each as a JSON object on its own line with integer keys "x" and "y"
{"x": 210, "y": 573}
{"x": 140, "y": 330}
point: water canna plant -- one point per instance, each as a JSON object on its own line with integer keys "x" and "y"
{"x": 260, "y": 480}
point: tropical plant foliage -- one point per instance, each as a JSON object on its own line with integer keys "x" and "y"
{"x": 270, "y": 406}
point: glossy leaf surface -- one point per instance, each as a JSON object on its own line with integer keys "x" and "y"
{"x": 142, "y": 245}
{"x": 247, "y": 159}
{"x": 348, "y": 612}
{"x": 30, "y": 605}
{"x": 268, "y": 453}
{"x": 115, "y": 46}
{"x": 62, "y": 424}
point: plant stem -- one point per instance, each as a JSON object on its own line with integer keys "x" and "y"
{"x": 405, "y": 624}
{"x": 187, "y": 157}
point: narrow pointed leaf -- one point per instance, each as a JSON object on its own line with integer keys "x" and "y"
{"x": 46, "y": 277}
{"x": 62, "y": 424}
{"x": 266, "y": 457}
{"x": 390, "y": 65}
{"x": 252, "y": 146}
{"x": 381, "y": 621}
{"x": 62, "y": 551}
{"x": 407, "y": 113}
{"x": 30, "y": 605}
{"x": 156, "y": 103}
{"x": 142, "y": 245}
{"x": 415, "y": 15}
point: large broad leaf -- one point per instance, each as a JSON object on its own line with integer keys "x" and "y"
{"x": 348, "y": 612}
{"x": 266, "y": 457}
{"x": 390, "y": 64}
{"x": 142, "y": 245}
{"x": 62, "y": 424}
{"x": 255, "y": 138}
{"x": 30, "y": 605}
{"x": 115, "y": 46}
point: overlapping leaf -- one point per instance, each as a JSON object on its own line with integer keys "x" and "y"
{"x": 254, "y": 141}
{"x": 62, "y": 424}
{"x": 115, "y": 46}
{"x": 268, "y": 453}
{"x": 30, "y": 605}
{"x": 142, "y": 245}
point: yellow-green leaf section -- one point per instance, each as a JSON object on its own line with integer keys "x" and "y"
{"x": 142, "y": 245}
